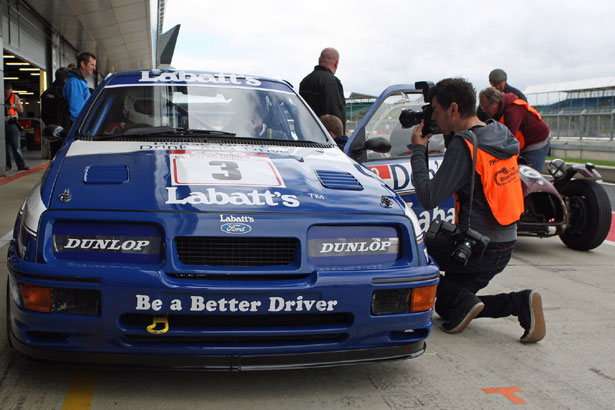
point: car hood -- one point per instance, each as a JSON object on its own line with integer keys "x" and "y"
{"x": 208, "y": 177}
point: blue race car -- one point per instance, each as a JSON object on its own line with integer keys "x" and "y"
{"x": 207, "y": 220}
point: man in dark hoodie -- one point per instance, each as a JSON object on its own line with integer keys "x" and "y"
{"x": 76, "y": 91}
{"x": 52, "y": 97}
{"x": 499, "y": 80}
{"x": 523, "y": 121}
{"x": 53, "y": 106}
{"x": 496, "y": 204}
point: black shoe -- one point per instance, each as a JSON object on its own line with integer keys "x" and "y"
{"x": 462, "y": 315}
{"x": 531, "y": 317}
{"x": 23, "y": 168}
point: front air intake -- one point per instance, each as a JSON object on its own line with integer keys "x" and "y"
{"x": 339, "y": 180}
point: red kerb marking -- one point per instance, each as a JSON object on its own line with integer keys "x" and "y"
{"x": 19, "y": 174}
{"x": 611, "y": 235}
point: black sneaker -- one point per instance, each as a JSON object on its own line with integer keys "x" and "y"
{"x": 531, "y": 317}
{"x": 462, "y": 315}
{"x": 23, "y": 168}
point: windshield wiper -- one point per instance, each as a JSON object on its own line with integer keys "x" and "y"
{"x": 164, "y": 131}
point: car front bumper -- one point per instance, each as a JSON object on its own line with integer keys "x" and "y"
{"x": 333, "y": 325}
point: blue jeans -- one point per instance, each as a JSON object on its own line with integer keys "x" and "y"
{"x": 12, "y": 133}
{"x": 536, "y": 158}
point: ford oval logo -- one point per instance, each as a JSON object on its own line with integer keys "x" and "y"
{"x": 236, "y": 228}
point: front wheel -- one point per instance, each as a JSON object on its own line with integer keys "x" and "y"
{"x": 589, "y": 214}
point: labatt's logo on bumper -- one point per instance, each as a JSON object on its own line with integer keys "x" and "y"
{"x": 211, "y": 196}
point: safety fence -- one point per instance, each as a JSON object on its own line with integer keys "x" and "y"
{"x": 582, "y": 124}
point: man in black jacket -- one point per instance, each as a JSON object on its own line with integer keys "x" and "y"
{"x": 498, "y": 80}
{"x": 51, "y": 99}
{"x": 322, "y": 90}
{"x": 54, "y": 106}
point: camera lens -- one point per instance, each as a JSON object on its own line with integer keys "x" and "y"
{"x": 462, "y": 252}
{"x": 409, "y": 118}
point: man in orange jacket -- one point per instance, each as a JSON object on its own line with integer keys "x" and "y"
{"x": 492, "y": 207}
{"x": 523, "y": 121}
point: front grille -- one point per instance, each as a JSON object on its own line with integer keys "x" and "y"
{"x": 215, "y": 251}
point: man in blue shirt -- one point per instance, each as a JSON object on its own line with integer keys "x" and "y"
{"x": 76, "y": 91}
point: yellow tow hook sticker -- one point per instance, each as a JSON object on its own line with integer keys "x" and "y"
{"x": 162, "y": 321}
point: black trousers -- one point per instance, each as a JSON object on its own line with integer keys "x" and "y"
{"x": 460, "y": 283}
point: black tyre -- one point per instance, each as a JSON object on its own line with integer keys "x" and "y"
{"x": 589, "y": 214}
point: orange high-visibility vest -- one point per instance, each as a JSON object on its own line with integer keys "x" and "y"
{"x": 519, "y": 134}
{"x": 12, "y": 112}
{"x": 501, "y": 185}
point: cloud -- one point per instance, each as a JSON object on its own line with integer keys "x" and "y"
{"x": 388, "y": 42}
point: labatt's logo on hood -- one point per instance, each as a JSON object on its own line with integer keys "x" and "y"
{"x": 233, "y": 169}
{"x": 211, "y": 196}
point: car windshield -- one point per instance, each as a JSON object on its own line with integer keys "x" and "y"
{"x": 385, "y": 123}
{"x": 162, "y": 110}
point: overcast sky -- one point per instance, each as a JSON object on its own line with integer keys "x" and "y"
{"x": 383, "y": 42}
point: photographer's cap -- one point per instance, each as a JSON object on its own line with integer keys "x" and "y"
{"x": 497, "y": 75}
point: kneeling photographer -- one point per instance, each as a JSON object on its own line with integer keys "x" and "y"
{"x": 480, "y": 168}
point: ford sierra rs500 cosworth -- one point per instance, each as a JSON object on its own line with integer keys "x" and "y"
{"x": 207, "y": 220}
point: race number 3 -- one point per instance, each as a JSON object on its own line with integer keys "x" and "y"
{"x": 231, "y": 170}
{"x": 223, "y": 168}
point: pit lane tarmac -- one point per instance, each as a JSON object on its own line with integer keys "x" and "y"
{"x": 485, "y": 367}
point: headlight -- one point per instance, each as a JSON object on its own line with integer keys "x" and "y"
{"x": 107, "y": 241}
{"x": 557, "y": 168}
{"x": 353, "y": 245}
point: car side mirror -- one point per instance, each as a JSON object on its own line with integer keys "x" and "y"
{"x": 380, "y": 145}
{"x": 54, "y": 133}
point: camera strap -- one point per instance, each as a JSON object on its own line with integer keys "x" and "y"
{"x": 475, "y": 147}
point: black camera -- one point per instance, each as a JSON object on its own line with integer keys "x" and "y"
{"x": 409, "y": 118}
{"x": 469, "y": 243}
